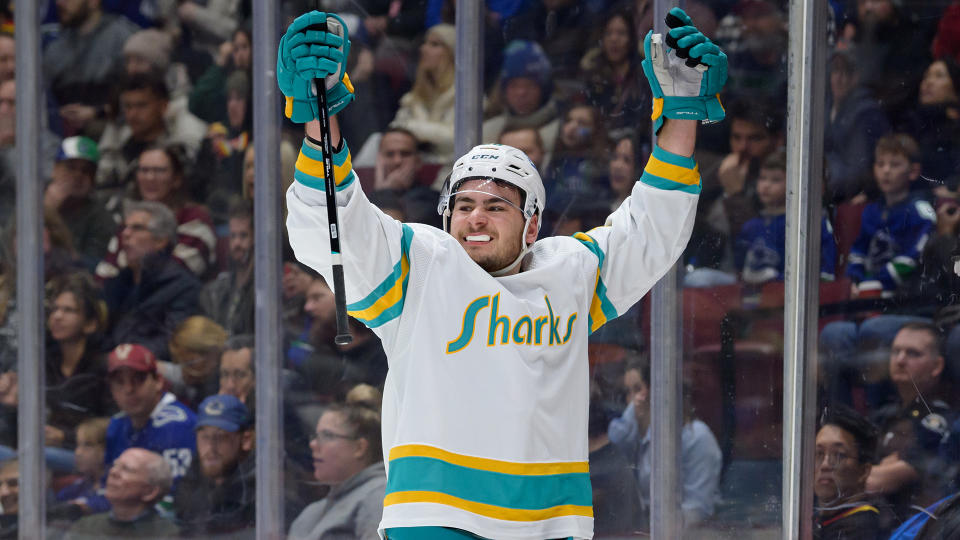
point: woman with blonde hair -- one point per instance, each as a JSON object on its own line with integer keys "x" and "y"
{"x": 195, "y": 348}
{"x": 427, "y": 110}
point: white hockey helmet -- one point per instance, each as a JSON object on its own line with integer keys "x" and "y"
{"x": 499, "y": 162}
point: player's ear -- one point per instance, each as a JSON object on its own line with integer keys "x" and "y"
{"x": 532, "y": 229}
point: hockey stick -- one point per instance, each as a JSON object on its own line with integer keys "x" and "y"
{"x": 339, "y": 295}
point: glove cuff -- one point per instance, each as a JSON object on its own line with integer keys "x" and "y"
{"x": 310, "y": 171}
{"x": 338, "y": 98}
{"x": 707, "y": 109}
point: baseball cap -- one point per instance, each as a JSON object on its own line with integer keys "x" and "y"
{"x": 133, "y": 356}
{"x": 79, "y": 147}
{"x": 223, "y": 411}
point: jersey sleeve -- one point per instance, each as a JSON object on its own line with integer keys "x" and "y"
{"x": 910, "y": 246}
{"x": 374, "y": 247}
{"x": 645, "y": 236}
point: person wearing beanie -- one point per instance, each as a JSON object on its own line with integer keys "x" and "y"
{"x": 427, "y": 110}
{"x": 526, "y": 89}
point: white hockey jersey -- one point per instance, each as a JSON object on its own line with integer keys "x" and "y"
{"x": 485, "y": 402}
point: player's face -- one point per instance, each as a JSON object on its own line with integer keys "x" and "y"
{"x": 623, "y": 172}
{"x": 88, "y": 455}
{"x": 750, "y": 140}
{"x": 236, "y": 373}
{"x": 772, "y": 188}
{"x": 136, "y": 392}
{"x": 128, "y": 480}
{"x": 66, "y": 320}
{"x": 487, "y": 226}
{"x": 219, "y": 451}
{"x": 837, "y": 472}
{"x": 914, "y": 360}
{"x": 936, "y": 86}
{"x": 337, "y": 453}
{"x": 893, "y": 172}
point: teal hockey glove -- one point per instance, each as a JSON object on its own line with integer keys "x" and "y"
{"x": 306, "y": 54}
{"x": 686, "y": 72}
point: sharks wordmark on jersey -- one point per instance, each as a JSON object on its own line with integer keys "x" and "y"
{"x": 486, "y": 399}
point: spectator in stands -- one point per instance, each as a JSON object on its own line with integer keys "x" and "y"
{"x": 228, "y": 299}
{"x": 855, "y": 121}
{"x": 398, "y": 161}
{"x": 296, "y": 321}
{"x": 219, "y": 169}
{"x": 217, "y": 495}
{"x": 209, "y": 23}
{"x": 91, "y": 436}
{"x": 914, "y": 427}
{"x": 760, "y": 248}
{"x": 526, "y": 87}
{"x": 137, "y": 480}
{"x": 237, "y": 369}
{"x": 8, "y": 56}
{"x": 153, "y": 292}
{"x": 288, "y": 159}
{"x": 365, "y": 395}
{"x": 700, "y": 459}
{"x": 625, "y": 165}
{"x": 195, "y": 351}
{"x": 161, "y": 177}
{"x": 49, "y": 146}
{"x": 70, "y": 193}
{"x": 946, "y": 43}
{"x": 893, "y": 230}
{"x": 845, "y": 449}
{"x": 149, "y": 417}
{"x": 758, "y": 54}
{"x": 613, "y": 75}
{"x": 80, "y": 65}
{"x": 9, "y": 498}
{"x": 528, "y": 140}
{"x": 578, "y": 162}
{"x": 150, "y": 51}
{"x": 76, "y": 367}
{"x": 935, "y": 123}
{"x": 615, "y": 494}
{"x": 208, "y": 99}
{"x": 148, "y": 120}
{"x": 728, "y": 199}
{"x": 550, "y": 22}
{"x": 427, "y": 110}
{"x": 893, "y": 50}
{"x": 347, "y": 456}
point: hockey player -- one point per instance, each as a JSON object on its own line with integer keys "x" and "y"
{"x": 486, "y": 400}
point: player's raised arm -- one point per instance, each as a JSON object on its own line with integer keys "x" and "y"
{"x": 686, "y": 72}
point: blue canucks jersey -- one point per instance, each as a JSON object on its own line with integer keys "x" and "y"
{"x": 168, "y": 433}
{"x": 891, "y": 241}
{"x": 760, "y": 249}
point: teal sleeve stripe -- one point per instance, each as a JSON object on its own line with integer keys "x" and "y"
{"x": 606, "y": 306}
{"x": 674, "y": 159}
{"x": 318, "y": 183}
{"x": 388, "y": 284}
{"x": 387, "y": 315}
{"x": 663, "y": 183}
{"x": 591, "y": 244}
{"x": 339, "y": 158}
{"x": 514, "y": 491}
{"x": 391, "y": 279}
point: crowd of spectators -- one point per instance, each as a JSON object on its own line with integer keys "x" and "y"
{"x": 147, "y": 167}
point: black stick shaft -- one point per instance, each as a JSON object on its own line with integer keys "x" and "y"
{"x": 339, "y": 295}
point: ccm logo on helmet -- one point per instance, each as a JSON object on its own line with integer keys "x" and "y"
{"x": 485, "y": 156}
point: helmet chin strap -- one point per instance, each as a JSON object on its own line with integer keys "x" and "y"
{"x": 526, "y": 249}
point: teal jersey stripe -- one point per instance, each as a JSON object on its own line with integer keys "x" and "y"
{"x": 318, "y": 183}
{"x": 605, "y": 305}
{"x": 393, "y": 311}
{"x": 687, "y": 162}
{"x": 664, "y": 183}
{"x": 338, "y": 157}
{"x": 523, "y": 492}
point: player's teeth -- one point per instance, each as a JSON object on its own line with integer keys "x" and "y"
{"x": 478, "y": 238}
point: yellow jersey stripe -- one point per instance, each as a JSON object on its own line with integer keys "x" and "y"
{"x": 485, "y": 464}
{"x": 682, "y": 175}
{"x": 487, "y": 510}
{"x": 314, "y": 168}
{"x": 389, "y": 298}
